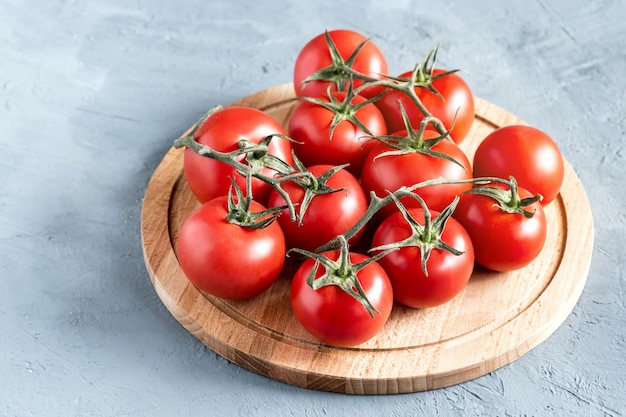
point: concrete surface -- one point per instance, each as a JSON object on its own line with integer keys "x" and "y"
{"x": 92, "y": 95}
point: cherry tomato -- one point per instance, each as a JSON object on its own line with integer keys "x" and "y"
{"x": 526, "y": 153}
{"x": 456, "y": 101}
{"x": 328, "y": 215}
{"x": 310, "y": 124}
{"x": 502, "y": 241}
{"x": 228, "y": 260}
{"x": 448, "y": 274}
{"x": 332, "y": 315}
{"x": 315, "y": 55}
{"x": 383, "y": 174}
{"x": 222, "y": 131}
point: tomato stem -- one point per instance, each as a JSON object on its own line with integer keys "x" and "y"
{"x": 342, "y": 110}
{"x": 256, "y": 157}
{"x": 342, "y": 272}
{"x": 239, "y": 209}
{"x": 422, "y": 76}
{"x": 508, "y": 200}
{"x": 413, "y": 141}
{"x": 426, "y": 237}
{"x": 313, "y": 186}
{"x": 340, "y": 71}
{"x": 377, "y": 203}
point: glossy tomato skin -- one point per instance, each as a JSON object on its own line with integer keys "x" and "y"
{"x": 526, "y": 153}
{"x": 502, "y": 241}
{"x": 456, "y": 94}
{"x": 335, "y": 317}
{"x": 310, "y": 126}
{"x": 328, "y": 215}
{"x": 389, "y": 173}
{"x": 227, "y": 260}
{"x": 315, "y": 56}
{"x": 448, "y": 274}
{"x": 222, "y": 131}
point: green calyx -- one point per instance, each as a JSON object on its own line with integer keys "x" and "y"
{"x": 426, "y": 237}
{"x": 258, "y": 156}
{"x": 239, "y": 208}
{"x": 313, "y": 186}
{"x": 414, "y": 142}
{"x": 423, "y": 74}
{"x": 508, "y": 200}
{"x": 341, "y": 273}
{"x": 339, "y": 72}
{"x": 343, "y": 110}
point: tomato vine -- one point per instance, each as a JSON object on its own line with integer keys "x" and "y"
{"x": 252, "y": 159}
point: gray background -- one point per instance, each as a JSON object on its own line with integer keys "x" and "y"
{"x": 92, "y": 95}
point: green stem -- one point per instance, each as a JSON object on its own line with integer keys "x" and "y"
{"x": 377, "y": 203}
{"x": 341, "y": 273}
{"x": 231, "y": 159}
{"x": 508, "y": 200}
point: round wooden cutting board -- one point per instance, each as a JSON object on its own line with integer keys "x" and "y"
{"x": 495, "y": 320}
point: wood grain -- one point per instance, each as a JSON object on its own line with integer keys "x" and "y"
{"x": 494, "y": 321}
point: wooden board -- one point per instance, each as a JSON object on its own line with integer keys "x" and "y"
{"x": 495, "y": 320}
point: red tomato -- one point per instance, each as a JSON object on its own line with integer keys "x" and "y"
{"x": 310, "y": 124}
{"x": 455, "y": 96}
{"x": 328, "y": 215}
{"x": 227, "y": 260}
{"x": 448, "y": 274}
{"x": 316, "y": 55}
{"x": 209, "y": 178}
{"x": 526, "y": 153}
{"x": 332, "y": 315}
{"x": 502, "y": 241}
{"x": 388, "y": 173}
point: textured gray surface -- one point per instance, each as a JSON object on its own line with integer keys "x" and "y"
{"x": 93, "y": 93}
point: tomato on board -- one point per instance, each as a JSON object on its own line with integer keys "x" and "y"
{"x": 455, "y": 107}
{"x": 334, "y": 316}
{"x": 502, "y": 241}
{"x": 228, "y": 260}
{"x": 222, "y": 131}
{"x": 447, "y": 273}
{"x": 315, "y": 55}
{"x": 328, "y": 215}
{"x": 310, "y": 127}
{"x": 526, "y": 153}
{"x": 382, "y": 174}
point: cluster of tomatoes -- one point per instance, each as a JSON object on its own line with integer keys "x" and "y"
{"x": 366, "y": 189}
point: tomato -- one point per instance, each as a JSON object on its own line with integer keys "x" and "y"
{"x": 328, "y": 215}
{"x": 447, "y": 273}
{"x": 334, "y": 316}
{"x": 315, "y": 55}
{"x": 455, "y": 107}
{"x": 222, "y": 131}
{"x": 310, "y": 124}
{"x": 526, "y": 153}
{"x": 228, "y": 260}
{"x": 502, "y": 241}
{"x": 381, "y": 174}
